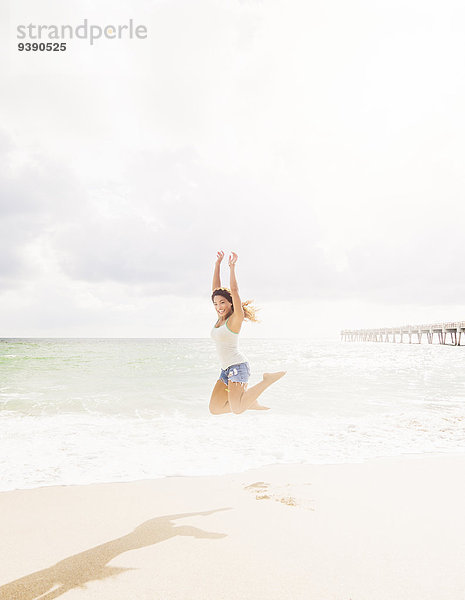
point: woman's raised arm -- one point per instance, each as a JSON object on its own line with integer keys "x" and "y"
{"x": 237, "y": 303}
{"x": 216, "y": 274}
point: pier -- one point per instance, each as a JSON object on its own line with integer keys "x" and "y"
{"x": 411, "y": 333}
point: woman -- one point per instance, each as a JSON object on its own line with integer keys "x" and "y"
{"x": 230, "y": 393}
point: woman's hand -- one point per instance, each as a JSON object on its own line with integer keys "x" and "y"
{"x": 219, "y": 256}
{"x": 232, "y": 259}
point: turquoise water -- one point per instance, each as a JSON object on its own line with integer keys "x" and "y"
{"x": 81, "y": 411}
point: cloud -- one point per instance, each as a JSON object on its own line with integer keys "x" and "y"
{"x": 324, "y": 146}
{"x": 162, "y": 225}
{"x": 155, "y": 229}
{"x": 157, "y": 226}
{"x": 418, "y": 267}
{"x": 35, "y": 194}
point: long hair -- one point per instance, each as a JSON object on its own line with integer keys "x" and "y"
{"x": 249, "y": 309}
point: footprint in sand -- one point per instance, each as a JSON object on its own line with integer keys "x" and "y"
{"x": 262, "y": 492}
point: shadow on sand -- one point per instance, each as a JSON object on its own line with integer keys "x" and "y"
{"x": 91, "y": 565}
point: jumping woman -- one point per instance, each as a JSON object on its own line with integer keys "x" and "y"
{"x": 230, "y": 393}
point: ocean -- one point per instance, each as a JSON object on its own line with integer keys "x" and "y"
{"x": 79, "y": 411}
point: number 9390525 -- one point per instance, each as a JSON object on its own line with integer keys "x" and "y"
{"x": 41, "y": 46}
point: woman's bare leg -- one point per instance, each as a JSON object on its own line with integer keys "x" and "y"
{"x": 240, "y": 399}
{"x": 219, "y": 401}
{"x": 255, "y": 405}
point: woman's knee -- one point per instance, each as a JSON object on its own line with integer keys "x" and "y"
{"x": 236, "y": 406}
{"x": 236, "y": 391}
{"x": 218, "y": 399}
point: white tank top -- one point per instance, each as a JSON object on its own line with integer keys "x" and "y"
{"x": 226, "y": 345}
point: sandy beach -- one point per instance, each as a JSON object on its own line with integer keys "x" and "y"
{"x": 384, "y": 529}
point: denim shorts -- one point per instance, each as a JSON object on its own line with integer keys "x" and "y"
{"x": 236, "y": 373}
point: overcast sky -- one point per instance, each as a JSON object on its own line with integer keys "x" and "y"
{"x": 322, "y": 141}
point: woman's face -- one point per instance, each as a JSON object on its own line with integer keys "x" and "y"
{"x": 223, "y": 307}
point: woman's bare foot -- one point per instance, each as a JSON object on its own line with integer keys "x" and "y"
{"x": 257, "y": 406}
{"x": 270, "y": 378}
